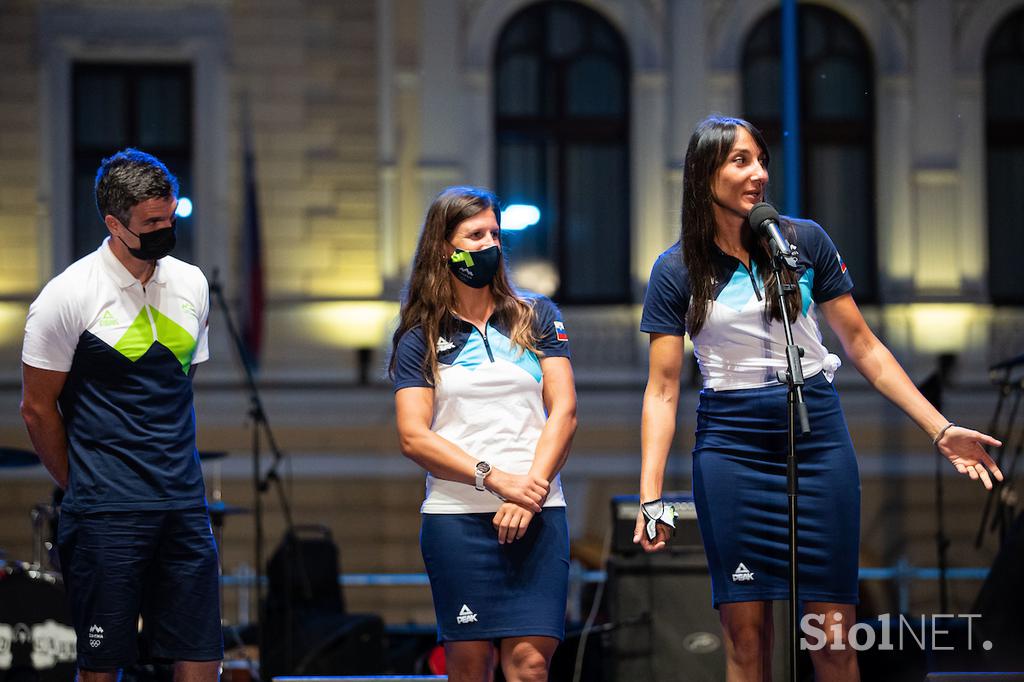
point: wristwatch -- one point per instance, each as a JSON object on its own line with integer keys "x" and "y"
{"x": 482, "y": 470}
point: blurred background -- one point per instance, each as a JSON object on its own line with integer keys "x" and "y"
{"x": 355, "y": 113}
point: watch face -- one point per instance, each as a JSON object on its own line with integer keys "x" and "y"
{"x": 483, "y": 468}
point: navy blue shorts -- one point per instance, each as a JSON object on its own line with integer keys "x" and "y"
{"x": 739, "y": 487}
{"x": 484, "y": 590}
{"x": 161, "y": 565}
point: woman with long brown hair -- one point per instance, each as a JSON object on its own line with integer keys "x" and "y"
{"x": 485, "y": 403}
{"x": 715, "y": 285}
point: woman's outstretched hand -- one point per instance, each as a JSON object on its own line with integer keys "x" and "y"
{"x": 965, "y": 449}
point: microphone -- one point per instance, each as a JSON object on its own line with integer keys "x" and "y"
{"x": 764, "y": 221}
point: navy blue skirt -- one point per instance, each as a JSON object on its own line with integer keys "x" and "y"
{"x": 739, "y": 487}
{"x": 484, "y": 590}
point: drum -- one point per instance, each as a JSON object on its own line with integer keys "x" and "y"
{"x": 37, "y": 640}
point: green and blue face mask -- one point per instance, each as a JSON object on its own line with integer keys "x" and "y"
{"x": 475, "y": 268}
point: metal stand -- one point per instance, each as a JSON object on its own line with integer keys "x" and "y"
{"x": 793, "y": 377}
{"x": 1002, "y": 492}
{"x": 931, "y": 388}
{"x": 261, "y": 481}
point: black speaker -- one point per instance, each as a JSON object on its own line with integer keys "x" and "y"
{"x": 305, "y": 567}
{"x": 305, "y": 628}
{"x": 624, "y": 512}
{"x": 1000, "y": 604}
{"x": 663, "y": 624}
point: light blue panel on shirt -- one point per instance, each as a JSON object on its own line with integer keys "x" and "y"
{"x": 503, "y": 348}
{"x": 738, "y": 292}
{"x": 806, "y": 284}
{"x": 473, "y": 354}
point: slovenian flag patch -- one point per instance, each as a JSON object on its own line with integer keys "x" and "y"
{"x": 560, "y": 331}
{"x": 842, "y": 263}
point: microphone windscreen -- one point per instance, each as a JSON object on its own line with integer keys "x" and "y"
{"x": 760, "y": 214}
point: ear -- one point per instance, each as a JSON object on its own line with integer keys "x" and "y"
{"x": 113, "y": 224}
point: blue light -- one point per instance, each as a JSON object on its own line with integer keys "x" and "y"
{"x": 184, "y": 209}
{"x": 519, "y": 216}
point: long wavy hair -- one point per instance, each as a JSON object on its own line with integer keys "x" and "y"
{"x": 707, "y": 151}
{"x": 429, "y": 301}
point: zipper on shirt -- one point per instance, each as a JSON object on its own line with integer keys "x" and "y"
{"x": 753, "y": 282}
{"x": 149, "y": 313}
{"x": 487, "y": 346}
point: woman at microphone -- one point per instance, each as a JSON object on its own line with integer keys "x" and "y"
{"x": 717, "y": 285}
{"x": 485, "y": 402}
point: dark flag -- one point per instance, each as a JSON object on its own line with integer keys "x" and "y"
{"x": 251, "y": 295}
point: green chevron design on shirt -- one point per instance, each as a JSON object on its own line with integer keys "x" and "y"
{"x": 139, "y": 337}
{"x": 175, "y": 338}
{"x": 137, "y": 340}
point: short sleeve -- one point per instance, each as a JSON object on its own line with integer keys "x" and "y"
{"x": 409, "y": 357}
{"x": 202, "y": 353}
{"x": 52, "y": 329}
{"x": 549, "y": 329}
{"x": 667, "y": 297}
{"x": 830, "y": 276}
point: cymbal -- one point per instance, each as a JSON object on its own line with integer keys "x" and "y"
{"x": 222, "y": 508}
{"x": 212, "y": 454}
{"x": 11, "y": 458}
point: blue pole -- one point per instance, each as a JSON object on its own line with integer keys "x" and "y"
{"x": 792, "y": 202}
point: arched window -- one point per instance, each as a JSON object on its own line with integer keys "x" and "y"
{"x": 837, "y": 125}
{"x": 562, "y": 130}
{"x": 118, "y": 105}
{"x": 1004, "y": 130}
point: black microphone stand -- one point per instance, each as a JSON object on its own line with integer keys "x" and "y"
{"x": 261, "y": 481}
{"x": 1006, "y": 388}
{"x": 793, "y": 377}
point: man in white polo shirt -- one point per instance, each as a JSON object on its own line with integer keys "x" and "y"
{"x": 110, "y": 349}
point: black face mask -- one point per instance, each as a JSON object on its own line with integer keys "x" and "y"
{"x": 153, "y": 245}
{"x": 475, "y": 268}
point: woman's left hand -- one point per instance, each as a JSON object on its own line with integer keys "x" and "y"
{"x": 965, "y": 449}
{"x": 511, "y": 522}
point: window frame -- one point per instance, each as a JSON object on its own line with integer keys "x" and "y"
{"x": 822, "y": 133}
{"x": 1000, "y": 133}
{"x": 560, "y": 131}
{"x": 84, "y": 155}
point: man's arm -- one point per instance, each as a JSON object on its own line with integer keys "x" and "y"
{"x": 40, "y": 389}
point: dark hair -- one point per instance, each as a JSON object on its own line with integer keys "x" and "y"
{"x": 128, "y": 178}
{"x": 429, "y": 301}
{"x": 708, "y": 149}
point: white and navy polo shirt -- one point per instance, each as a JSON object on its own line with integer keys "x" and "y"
{"x": 487, "y": 400}
{"x": 737, "y": 347}
{"x": 127, "y": 399}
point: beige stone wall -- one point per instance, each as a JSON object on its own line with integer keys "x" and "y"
{"x": 24, "y": 237}
{"x": 307, "y": 70}
{"x": 22, "y": 264}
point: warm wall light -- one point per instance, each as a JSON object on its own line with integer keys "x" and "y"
{"x": 536, "y": 275}
{"x": 938, "y": 327}
{"x": 352, "y": 324}
{"x": 12, "y": 322}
